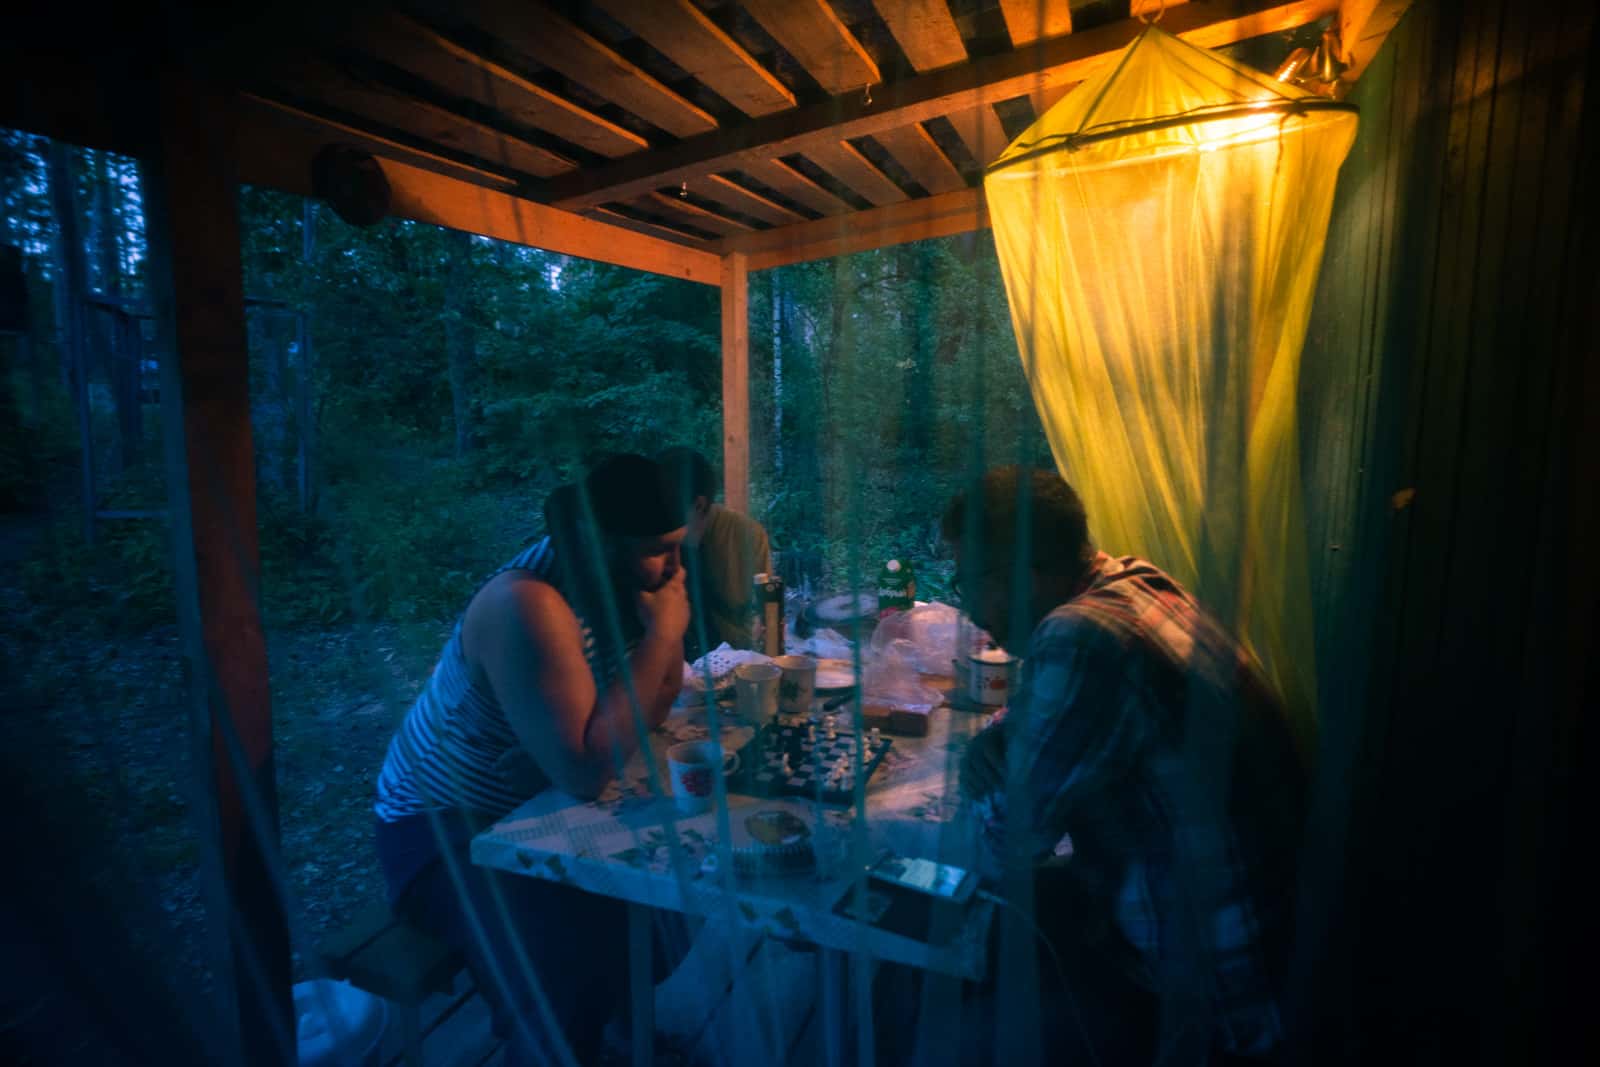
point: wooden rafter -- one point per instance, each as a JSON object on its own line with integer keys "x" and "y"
{"x": 692, "y": 213}
{"x": 1365, "y": 30}
{"x": 271, "y": 113}
{"x": 460, "y": 72}
{"x": 275, "y": 151}
{"x": 536, "y": 31}
{"x": 305, "y": 76}
{"x": 1028, "y": 21}
{"x": 913, "y": 220}
{"x": 684, "y": 34}
{"x": 980, "y": 130}
{"x": 922, "y": 158}
{"x": 616, "y": 218}
{"x": 845, "y": 162}
{"x": 782, "y": 178}
{"x": 720, "y": 190}
{"x": 925, "y": 30}
{"x": 1055, "y": 63}
{"x": 813, "y": 33}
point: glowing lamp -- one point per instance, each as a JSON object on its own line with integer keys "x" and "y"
{"x": 1160, "y": 231}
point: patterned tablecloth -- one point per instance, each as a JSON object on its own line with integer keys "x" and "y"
{"x": 631, "y": 844}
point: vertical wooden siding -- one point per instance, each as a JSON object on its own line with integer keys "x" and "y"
{"x": 1450, "y": 357}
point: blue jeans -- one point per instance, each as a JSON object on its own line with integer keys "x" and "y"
{"x": 551, "y": 960}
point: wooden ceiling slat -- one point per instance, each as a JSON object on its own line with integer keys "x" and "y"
{"x": 460, "y": 72}
{"x": 780, "y": 177}
{"x": 1057, "y": 63}
{"x": 1028, "y": 21}
{"x": 539, "y": 33}
{"x": 628, "y": 222}
{"x": 682, "y": 32}
{"x": 316, "y": 80}
{"x": 716, "y": 188}
{"x": 879, "y": 227}
{"x": 275, "y": 111}
{"x": 1369, "y": 35}
{"x": 275, "y": 146}
{"x": 922, "y": 158}
{"x": 846, "y": 163}
{"x": 813, "y": 33}
{"x": 674, "y": 207}
{"x": 925, "y": 30}
{"x": 980, "y": 130}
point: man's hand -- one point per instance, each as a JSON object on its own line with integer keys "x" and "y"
{"x": 983, "y": 767}
{"x": 665, "y": 611}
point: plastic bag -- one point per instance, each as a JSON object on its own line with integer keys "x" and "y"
{"x": 933, "y": 630}
{"x": 824, "y": 644}
{"x": 893, "y": 678}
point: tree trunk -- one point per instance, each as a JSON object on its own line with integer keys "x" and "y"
{"x": 460, "y": 341}
{"x": 70, "y": 287}
{"x": 119, "y": 362}
{"x": 305, "y": 380}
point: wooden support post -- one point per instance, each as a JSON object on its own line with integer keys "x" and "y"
{"x": 191, "y": 200}
{"x": 736, "y": 381}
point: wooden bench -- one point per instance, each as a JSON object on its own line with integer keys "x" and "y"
{"x": 384, "y": 955}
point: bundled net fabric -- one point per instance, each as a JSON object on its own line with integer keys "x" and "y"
{"x": 1160, "y": 232}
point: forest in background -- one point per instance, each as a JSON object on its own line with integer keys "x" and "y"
{"x": 415, "y": 393}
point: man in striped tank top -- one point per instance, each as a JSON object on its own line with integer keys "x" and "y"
{"x": 544, "y": 683}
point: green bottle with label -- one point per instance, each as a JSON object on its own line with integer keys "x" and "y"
{"x": 897, "y": 587}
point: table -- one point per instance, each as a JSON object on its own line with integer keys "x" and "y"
{"x": 632, "y": 845}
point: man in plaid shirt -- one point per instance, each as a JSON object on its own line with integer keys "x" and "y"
{"x": 1143, "y": 774}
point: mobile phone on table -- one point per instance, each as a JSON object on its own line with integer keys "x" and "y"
{"x": 942, "y": 881}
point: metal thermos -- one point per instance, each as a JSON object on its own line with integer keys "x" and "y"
{"x": 768, "y": 629}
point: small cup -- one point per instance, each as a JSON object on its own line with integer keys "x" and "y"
{"x": 799, "y": 684}
{"x": 991, "y": 675}
{"x": 756, "y": 686}
{"x": 692, "y": 765}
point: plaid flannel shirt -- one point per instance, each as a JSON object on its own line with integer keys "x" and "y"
{"x": 1124, "y": 752}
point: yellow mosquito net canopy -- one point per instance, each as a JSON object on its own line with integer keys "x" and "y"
{"x": 1160, "y": 232}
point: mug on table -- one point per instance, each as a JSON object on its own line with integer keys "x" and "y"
{"x": 799, "y": 684}
{"x": 756, "y": 686}
{"x": 692, "y": 765}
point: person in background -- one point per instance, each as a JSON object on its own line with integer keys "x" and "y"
{"x": 1142, "y": 786}
{"x": 724, "y": 550}
{"x": 532, "y": 691}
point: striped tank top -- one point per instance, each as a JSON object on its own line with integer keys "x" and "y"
{"x": 447, "y": 750}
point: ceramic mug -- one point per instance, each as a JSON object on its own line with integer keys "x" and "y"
{"x": 692, "y": 765}
{"x": 756, "y": 686}
{"x": 799, "y": 684}
{"x": 991, "y": 676}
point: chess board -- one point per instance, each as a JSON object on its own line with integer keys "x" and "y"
{"x": 820, "y": 760}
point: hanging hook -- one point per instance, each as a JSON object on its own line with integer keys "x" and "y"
{"x": 868, "y": 100}
{"x": 683, "y": 190}
{"x": 1144, "y": 14}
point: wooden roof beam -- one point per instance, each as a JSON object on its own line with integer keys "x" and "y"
{"x": 684, "y": 34}
{"x": 1058, "y": 62}
{"x": 925, "y": 31}
{"x": 820, "y": 42}
{"x": 1028, "y": 21}
{"x": 462, "y": 73}
{"x": 307, "y": 78}
{"x": 778, "y": 176}
{"x": 277, "y": 153}
{"x": 536, "y": 31}
{"x": 912, "y": 220}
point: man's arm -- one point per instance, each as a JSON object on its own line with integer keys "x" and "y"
{"x": 531, "y": 651}
{"x": 1070, "y": 732}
